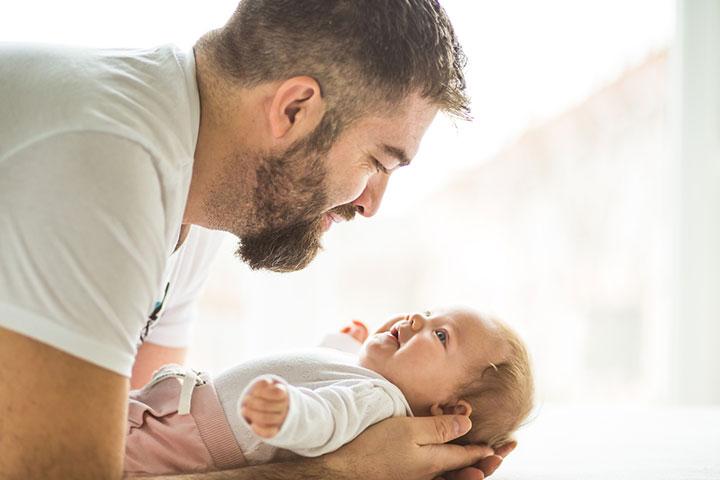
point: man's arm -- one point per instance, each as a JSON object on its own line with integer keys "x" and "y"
{"x": 399, "y": 448}
{"x": 60, "y": 417}
{"x": 305, "y": 469}
{"x": 150, "y": 357}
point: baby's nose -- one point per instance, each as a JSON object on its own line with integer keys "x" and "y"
{"x": 416, "y": 322}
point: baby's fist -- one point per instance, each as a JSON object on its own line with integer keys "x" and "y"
{"x": 265, "y": 406}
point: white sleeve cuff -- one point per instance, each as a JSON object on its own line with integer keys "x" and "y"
{"x": 342, "y": 342}
{"x": 62, "y": 338}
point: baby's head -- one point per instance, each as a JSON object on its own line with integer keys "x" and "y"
{"x": 457, "y": 361}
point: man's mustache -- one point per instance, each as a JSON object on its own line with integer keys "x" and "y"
{"x": 346, "y": 211}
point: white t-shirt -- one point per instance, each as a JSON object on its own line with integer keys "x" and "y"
{"x": 186, "y": 273}
{"x": 96, "y": 153}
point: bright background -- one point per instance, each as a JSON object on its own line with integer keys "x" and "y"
{"x": 550, "y": 208}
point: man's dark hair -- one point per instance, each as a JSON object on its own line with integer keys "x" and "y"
{"x": 366, "y": 55}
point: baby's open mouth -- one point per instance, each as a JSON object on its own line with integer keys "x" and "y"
{"x": 394, "y": 332}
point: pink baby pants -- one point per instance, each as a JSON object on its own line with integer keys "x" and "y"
{"x": 163, "y": 439}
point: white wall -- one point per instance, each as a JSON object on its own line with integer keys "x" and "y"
{"x": 529, "y": 60}
{"x": 695, "y": 337}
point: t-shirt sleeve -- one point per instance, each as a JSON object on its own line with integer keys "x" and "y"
{"x": 82, "y": 245}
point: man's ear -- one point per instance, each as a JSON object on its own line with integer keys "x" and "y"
{"x": 460, "y": 407}
{"x": 296, "y": 108}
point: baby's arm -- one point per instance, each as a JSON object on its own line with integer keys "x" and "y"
{"x": 315, "y": 422}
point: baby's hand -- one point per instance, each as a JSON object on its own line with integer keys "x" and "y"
{"x": 265, "y": 406}
{"x": 357, "y": 330}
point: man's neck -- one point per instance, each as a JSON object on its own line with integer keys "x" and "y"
{"x": 223, "y": 173}
{"x": 184, "y": 230}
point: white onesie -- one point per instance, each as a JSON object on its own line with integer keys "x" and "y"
{"x": 332, "y": 401}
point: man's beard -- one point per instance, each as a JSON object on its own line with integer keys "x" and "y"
{"x": 290, "y": 248}
{"x": 290, "y": 204}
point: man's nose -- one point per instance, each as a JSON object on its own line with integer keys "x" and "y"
{"x": 368, "y": 203}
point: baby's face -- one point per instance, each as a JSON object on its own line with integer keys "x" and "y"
{"x": 429, "y": 355}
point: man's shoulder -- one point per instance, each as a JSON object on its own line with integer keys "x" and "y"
{"x": 145, "y": 95}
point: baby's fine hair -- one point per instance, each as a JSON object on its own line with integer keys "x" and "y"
{"x": 501, "y": 395}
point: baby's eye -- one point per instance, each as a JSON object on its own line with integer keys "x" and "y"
{"x": 442, "y": 336}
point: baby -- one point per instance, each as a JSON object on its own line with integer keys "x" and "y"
{"x": 445, "y": 361}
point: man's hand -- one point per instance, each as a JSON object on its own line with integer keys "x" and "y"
{"x": 265, "y": 406}
{"x": 484, "y": 468}
{"x": 406, "y": 448}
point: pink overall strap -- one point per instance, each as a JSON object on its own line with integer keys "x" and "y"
{"x": 214, "y": 428}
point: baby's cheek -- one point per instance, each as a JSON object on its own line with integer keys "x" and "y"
{"x": 364, "y": 359}
{"x": 374, "y": 363}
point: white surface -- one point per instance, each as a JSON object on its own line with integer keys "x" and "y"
{"x": 601, "y": 442}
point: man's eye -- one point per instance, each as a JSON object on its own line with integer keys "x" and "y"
{"x": 442, "y": 336}
{"x": 379, "y": 166}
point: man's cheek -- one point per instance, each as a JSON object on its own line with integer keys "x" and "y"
{"x": 352, "y": 191}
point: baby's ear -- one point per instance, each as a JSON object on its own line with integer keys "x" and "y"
{"x": 461, "y": 407}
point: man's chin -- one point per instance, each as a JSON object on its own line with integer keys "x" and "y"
{"x": 286, "y": 250}
{"x": 276, "y": 263}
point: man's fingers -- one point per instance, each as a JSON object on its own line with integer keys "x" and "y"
{"x": 489, "y": 464}
{"x": 505, "y": 449}
{"x": 454, "y": 457}
{"x": 485, "y": 467}
{"x": 433, "y": 432}
{"x": 469, "y": 473}
{"x": 440, "y": 429}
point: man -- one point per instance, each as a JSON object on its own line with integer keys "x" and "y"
{"x": 290, "y": 117}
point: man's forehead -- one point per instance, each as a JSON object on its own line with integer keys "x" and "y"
{"x": 399, "y": 134}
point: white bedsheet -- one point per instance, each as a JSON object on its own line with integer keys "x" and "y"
{"x": 604, "y": 442}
